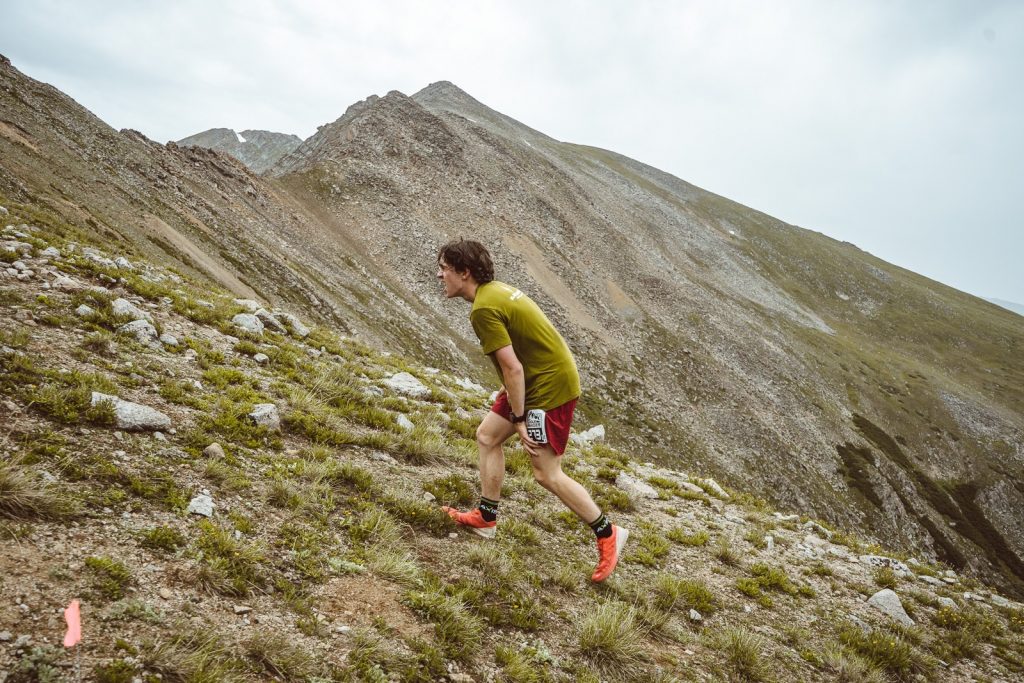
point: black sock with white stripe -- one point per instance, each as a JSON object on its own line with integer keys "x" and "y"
{"x": 488, "y": 509}
{"x": 602, "y": 527}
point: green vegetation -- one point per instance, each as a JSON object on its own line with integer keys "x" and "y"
{"x": 111, "y": 578}
{"x": 162, "y": 538}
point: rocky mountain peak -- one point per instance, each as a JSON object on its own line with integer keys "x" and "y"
{"x": 257, "y": 149}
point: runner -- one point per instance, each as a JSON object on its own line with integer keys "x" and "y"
{"x": 536, "y": 400}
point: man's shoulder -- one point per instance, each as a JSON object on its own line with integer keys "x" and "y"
{"x": 495, "y": 294}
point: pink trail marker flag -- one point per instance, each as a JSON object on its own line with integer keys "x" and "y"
{"x": 73, "y": 616}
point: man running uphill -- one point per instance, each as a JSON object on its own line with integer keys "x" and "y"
{"x": 536, "y": 401}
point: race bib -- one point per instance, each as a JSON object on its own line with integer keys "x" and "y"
{"x": 536, "y": 425}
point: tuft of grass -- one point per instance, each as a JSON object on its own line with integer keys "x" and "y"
{"x": 162, "y": 538}
{"x": 696, "y": 539}
{"x": 117, "y": 671}
{"x": 611, "y": 639}
{"x": 226, "y": 565}
{"x": 744, "y": 653}
{"x": 451, "y": 490}
{"x": 23, "y": 495}
{"x": 652, "y": 548}
{"x": 110, "y": 577}
{"x": 725, "y": 553}
{"x": 885, "y": 577}
{"x": 850, "y": 667}
{"x": 672, "y": 593}
{"x": 886, "y": 650}
{"x": 275, "y": 655}
{"x": 457, "y": 631}
{"x": 198, "y": 656}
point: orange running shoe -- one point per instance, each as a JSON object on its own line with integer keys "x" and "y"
{"x": 608, "y": 550}
{"x": 473, "y": 521}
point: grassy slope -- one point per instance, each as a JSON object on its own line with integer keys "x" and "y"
{"x": 314, "y": 530}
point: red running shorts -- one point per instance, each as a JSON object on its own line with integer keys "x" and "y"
{"x": 557, "y": 421}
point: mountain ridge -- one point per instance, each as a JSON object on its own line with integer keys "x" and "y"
{"x": 709, "y": 335}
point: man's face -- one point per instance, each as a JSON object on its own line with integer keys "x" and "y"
{"x": 452, "y": 281}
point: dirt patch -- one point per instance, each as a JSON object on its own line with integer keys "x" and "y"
{"x": 358, "y": 600}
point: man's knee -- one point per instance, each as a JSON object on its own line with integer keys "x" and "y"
{"x": 487, "y": 438}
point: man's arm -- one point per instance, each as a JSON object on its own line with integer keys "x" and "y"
{"x": 515, "y": 386}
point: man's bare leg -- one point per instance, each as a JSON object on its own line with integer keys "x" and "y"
{"x": 547, "y": 470}
{"x": 490, "y": 435}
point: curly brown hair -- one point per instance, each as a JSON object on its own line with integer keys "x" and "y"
{"x": 462, "y": 255}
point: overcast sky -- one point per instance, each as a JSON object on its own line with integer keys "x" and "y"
{"x": 898, "y": 126}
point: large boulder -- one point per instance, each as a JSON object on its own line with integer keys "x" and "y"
{"x": 404, "y": 383}
{"x": 133, "y": 417}
{"x": 635, "y": 488}
{"x": 293, "y": 323}
{"x": 270, "y": 322}
{"x": 887, "y": 602}
{"x": 142, "y": 330}
{"x": 248, "y": 322}
{"x": 126, "y": 308}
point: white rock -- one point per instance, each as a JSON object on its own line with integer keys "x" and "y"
{"x": 811, "y": 525}
{"x": 787, "y": 518}
{"x": 769, "y": 542}
{"x": 429, "y": 497}
{"x": 998, "y": 600}
{"x": 469, "y": 385}
{"x": 265, "y": 415}
{"x": 159, "y": 436}
{"x": 634, "y": 487}
{"x": 201, "y": 505}
{"x": 133, "y": 416}
{"x": 190, "y": 354}
{"x": 215, "y": 451}
{"x": 67, "y": 284}
{"x": 595, "y": 433}
{"x": 122, "y": 306}
{"x": 248, "y": 322}
{"x": 270, "y": 322}
{"x": 261, "y": 358}
{"x": 692, "y": 488}
{"x": 712, "y": 487}
{"x": 293, "y": 323}
{"x": 122, "y": 262}
{"x": 168, "y": 340}
{"x": 249, "y": 304}
{"x": 948, "y": 603}
{"x": 812, "y": 541}
{"x": 405, "y": 423}
{"x": 142, "y": 330}
{"x": 881, "y": 561}
{"x": 242, "y": 609}
{"x": 695, "y": 615}
{"x": 404, "y": 383}
{"x": 930, "y": 580}
{"x": 50, "y": 252}
{"x": 166, "y": 593}
{"x": 84, "y": 311}
{"x": 889, "y": 603}
{"x": 380, "y": 456}
{"x": 19, "y": 266}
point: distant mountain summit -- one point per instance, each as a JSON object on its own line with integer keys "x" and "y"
{"x": 257, "y": 149}
{"x": 1008, "y": 305}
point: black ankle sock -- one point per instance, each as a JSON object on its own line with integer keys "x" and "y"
{"x": 602, "y": 527}
{"x": 488, "y": 509}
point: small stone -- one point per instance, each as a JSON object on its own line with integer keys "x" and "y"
{"x": 769, "y": 542}
{"x": 242, "y": 609}
{"x": 265, "y": 415}
{"x": 142, "y": 330}
{"x": 201, "y": 505}
{"x": 168, "y": 339}
{"x": 930, "y": 580}
{"x": 165, "y": 593}
{"x": 50, "y": 252}
{"x": 380, "y": 456}
{"x": 159, "y": 436}
{"x": 22, "y": 641}
{"x": 122, "y": 262}
{"x": 998, "y": 600}
{"x": 214, "y": 450}
{"x": 270, "y": 322}
{"x": 469, "y": 385}
{"x": 460, "y": 678}
{"x": 121, "y": 306}
{"x": 342, "y": 629}
{"x": 261, "y": 358}
{"x": 695, "y": 615}
{"x": 289, "y": 320}
{"x": 453, "y": 535}
{"x": 882, "y": 561}
{"x": 429, "y": 497}
{"x": 5, "y": 636}
{"x": 11, "y": 406}
{"x": 712, "y": 487}
{"x": 84, "y": 311}
{"x": 948, "y": 603}
{"x": 405, "y": 423}
{"x": 595, "y": 433}
{"x": 248, "y": 304}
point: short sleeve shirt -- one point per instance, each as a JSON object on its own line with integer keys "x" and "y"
{"x": 503, "y": 315}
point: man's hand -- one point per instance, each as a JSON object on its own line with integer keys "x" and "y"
{"x": 531, "y": 446}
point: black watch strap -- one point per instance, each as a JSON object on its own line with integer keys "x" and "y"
{"x": 517, "y": 418}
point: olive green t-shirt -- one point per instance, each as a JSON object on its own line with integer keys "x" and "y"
{"x": 503, "y": 315}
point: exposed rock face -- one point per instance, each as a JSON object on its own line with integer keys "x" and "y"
{"x": 257, "y": 149}
{"x": 266, "y": 415}
{"x": 133, "y": 417}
